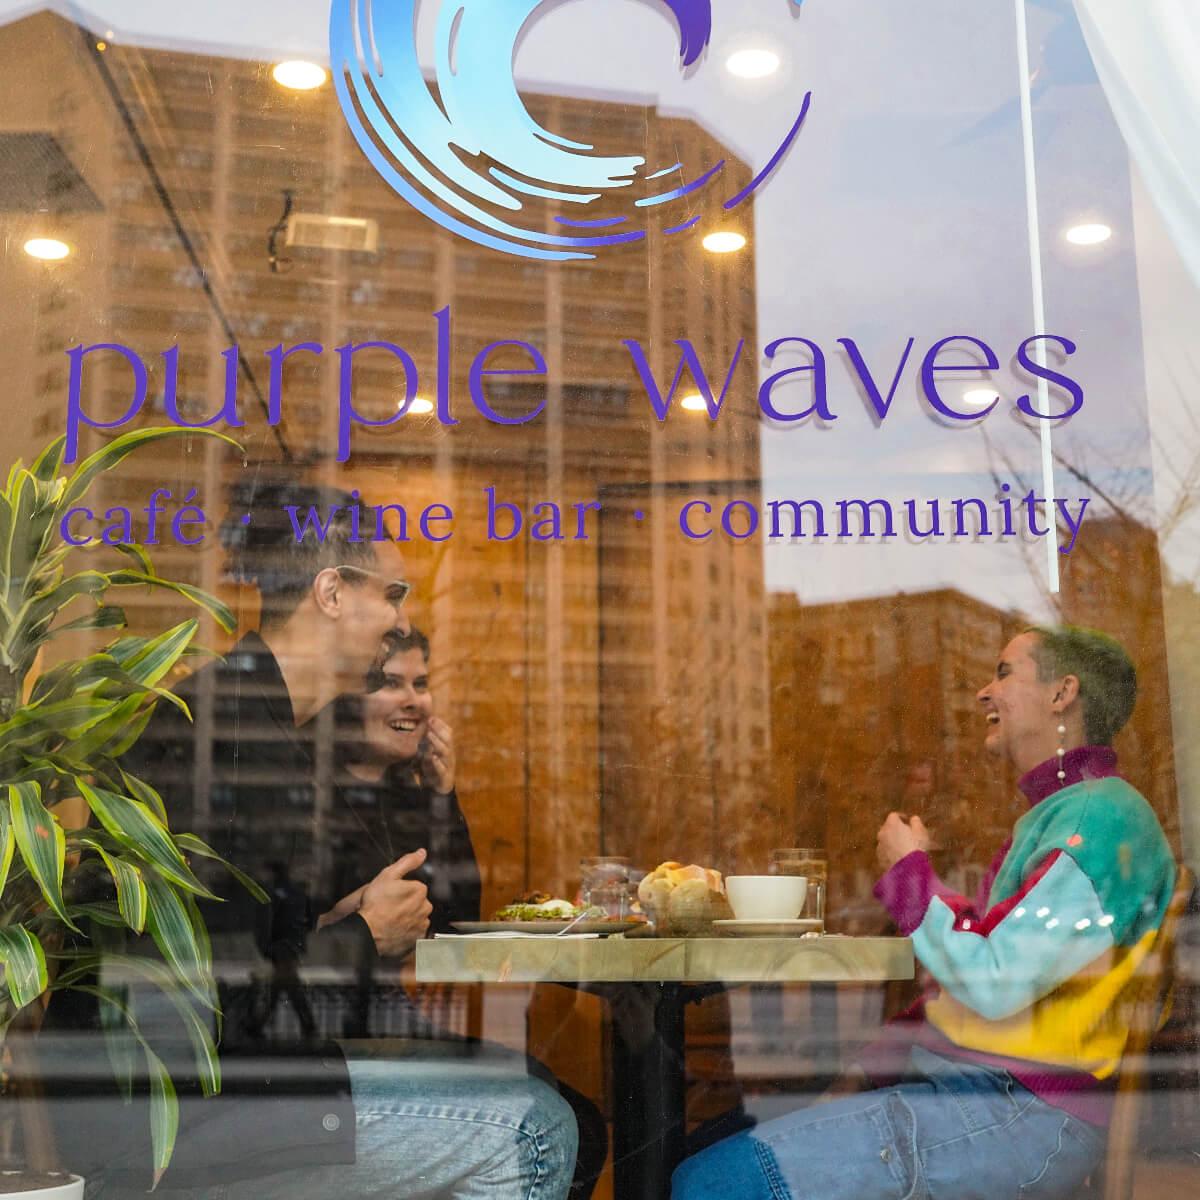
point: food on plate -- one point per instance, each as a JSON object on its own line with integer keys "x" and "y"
{"x": 684, "y": 900}
{"x": 540, "y": 906}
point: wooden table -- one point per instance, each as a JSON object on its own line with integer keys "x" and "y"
{"x": 655, "y": 977}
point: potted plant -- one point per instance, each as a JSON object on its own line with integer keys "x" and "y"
{"x": 68, "y": 809}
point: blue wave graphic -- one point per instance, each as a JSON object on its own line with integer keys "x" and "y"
{"x": 465, "y": 150}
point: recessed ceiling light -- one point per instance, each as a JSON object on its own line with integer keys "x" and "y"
{"x": 47, "y": 249}
{"x": 694, "y": 402}
{"x": 724, "y": 242}
{"x": 754, "y": 62}
{"x": 1089, "y": 235}
{"x": 420, "y": 407}
{"x": 300, "y": 76}
{"x": 980, "y": 398}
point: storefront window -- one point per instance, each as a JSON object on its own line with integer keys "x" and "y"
{"x": 622, "y": 626}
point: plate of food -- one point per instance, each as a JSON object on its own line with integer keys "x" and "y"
{"x": 539, "y": 913}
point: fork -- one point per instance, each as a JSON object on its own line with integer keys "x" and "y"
{"x": 574, "y": 921}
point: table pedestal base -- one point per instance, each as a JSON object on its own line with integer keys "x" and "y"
{"x": 649, "y": 1106}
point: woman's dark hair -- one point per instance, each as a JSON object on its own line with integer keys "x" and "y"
{"x": 1106, "y": 674}
{"x": 295, "y": 532}
{"x": 395, "y": 642}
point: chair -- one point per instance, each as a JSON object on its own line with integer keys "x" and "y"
{"x": 1152, "y": 988}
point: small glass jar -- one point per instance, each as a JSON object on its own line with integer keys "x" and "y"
{"x": 605, "y": 884}
{"x": 813, "y": 866}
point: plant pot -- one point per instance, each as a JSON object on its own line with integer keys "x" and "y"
{"x": 30, "y": 1185}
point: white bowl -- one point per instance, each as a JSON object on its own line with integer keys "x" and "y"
{"x": 766, "y": 897}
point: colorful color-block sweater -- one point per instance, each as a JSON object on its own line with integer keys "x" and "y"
{"x": 1031, "y": 977}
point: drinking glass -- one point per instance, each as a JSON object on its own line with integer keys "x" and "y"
{"x": 812, "y": 864}
{"x": 605, "y": 884}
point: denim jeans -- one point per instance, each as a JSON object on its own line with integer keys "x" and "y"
{"x": 444, "y": 1126}
{"x": 949, "y": 1131}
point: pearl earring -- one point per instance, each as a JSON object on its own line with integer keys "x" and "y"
{"x": 1062, "y": 752}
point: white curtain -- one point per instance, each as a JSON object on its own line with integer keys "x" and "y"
{"x": 1147, "y": 54}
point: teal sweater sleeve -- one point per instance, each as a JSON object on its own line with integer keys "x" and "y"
{"x": 1112, "y": 834}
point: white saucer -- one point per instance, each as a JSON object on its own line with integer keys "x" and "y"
{"x": 796, "y": 928}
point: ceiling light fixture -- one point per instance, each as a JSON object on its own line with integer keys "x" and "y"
{"x": 420, "y": 407}
{"x": 1093, "y": 234}
{"x": 47, "y": 249}
{"x": 300, "y": 76}
{"x": 754, "y": 62}
{"x": 724, "y": 241}
{"x": 980, "y": 398}
{"x": 694, "y": 402}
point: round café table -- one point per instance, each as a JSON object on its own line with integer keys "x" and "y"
{"x": 648, "y": 981}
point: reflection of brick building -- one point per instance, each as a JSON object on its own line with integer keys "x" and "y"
{"x": 873, "y": 708}
{"x": 517, "y": 628}
{"x": 1113, "y": 582}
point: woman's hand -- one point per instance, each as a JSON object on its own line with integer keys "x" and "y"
{"x": 898, "y": 837}
{"x": 437, "y": 760}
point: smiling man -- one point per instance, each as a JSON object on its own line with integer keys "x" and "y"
{"x": 998, "y": 1084}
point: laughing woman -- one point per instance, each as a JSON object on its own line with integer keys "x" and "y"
{"x": 396, "y": 788}
{"x": 1001, "y": 1084}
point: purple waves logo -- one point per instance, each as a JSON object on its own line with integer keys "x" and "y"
{"x": 463, "y": 148}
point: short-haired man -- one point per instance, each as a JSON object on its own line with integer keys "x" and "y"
{"x": 311, "y": 1119}
{"x": 998, "y": 1085}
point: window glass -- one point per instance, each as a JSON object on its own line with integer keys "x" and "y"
{"x": 621, "y": 460}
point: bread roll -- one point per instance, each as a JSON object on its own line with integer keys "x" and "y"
{"x": 683, "y": 900}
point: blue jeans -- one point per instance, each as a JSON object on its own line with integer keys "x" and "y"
{"x": 466, "y": 1128}
{"x": 950, "y": 1131}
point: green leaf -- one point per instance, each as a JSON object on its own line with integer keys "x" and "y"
{"x": 42, "y": 844}
{"x": 131, "y": 887}
{"x": 124, "y": 721}
{"x": 200, "y": 931}
{"x": 208, "y": 1063}
{"x": 191, "y": 844}
{"x": 138, "y": 554}
{"x": 78, "y": 730}
{"x": 115, "y": 1020}
{"x": 6, "y": 579}
{"x": 48, "y": 464}
{"x": 69, "y": 678}
{"x": 103, "y": 914}
{"x": 24, "y": 964}
{"x": 171, "y": 926}
{"x": 140, "y": 833}
{"x": 120, "y": 448}
{"x": 8, "y": 843}
{"x": 107, "y": 616}
{"x": 164, "y": 1114}
{"x": 150, "y": 969}
{"x": 140, "y": 790}
{"x": 156, "y": 657}
{"x": 118, "y": 745}
{"x": 216, "y": 608}
{"x": 31, "y": 520}
{"x": 32, "y": 619}
{"x": 58, "y": 717}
